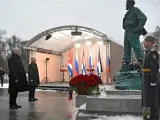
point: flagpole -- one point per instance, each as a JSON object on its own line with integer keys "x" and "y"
{"x": 97, "y": 59}
{"x": 78, "y": 59}
{"x": 107, "y": 78}
{"x": 106, "y": 61}
{"x": 102, "y": 61}
{"x": 110, "y": 79}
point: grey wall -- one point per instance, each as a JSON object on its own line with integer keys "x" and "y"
{"x": 116, "y": 52}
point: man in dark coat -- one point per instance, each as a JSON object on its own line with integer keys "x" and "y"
{"x": 150, "y": 91}
{"x": 33, "y": 77}
{"x": 17, "y": 78}
{"x": 2, "y": 75}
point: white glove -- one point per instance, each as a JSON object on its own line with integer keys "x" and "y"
{"x": 31, "y": 80}
{"x": 153, "y": 84}
{"x": 16, "y": 81}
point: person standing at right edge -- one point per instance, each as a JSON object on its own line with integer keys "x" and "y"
{"x": 150, "y": 86}
{"x": 33, "y": 78}
{"x": 133, "y": 24}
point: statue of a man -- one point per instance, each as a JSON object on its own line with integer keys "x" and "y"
{"x": 133, "y": 24}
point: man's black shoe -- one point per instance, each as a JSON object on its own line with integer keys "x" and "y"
{"x": 18, "y": 106}
{"x": 13, "y": 107}
{"x": 35, "y": 99}
{"x": 31, "y": 99}
{"x": 125, "y": 68}
{"x": 152, "y": 118}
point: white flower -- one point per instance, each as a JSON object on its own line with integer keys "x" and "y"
{"x": 94, "y": 92}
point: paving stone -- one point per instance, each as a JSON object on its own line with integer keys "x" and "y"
{"x": 50, "y": 106}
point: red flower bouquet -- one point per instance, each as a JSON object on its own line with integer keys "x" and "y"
{"x": 85, "y": 84}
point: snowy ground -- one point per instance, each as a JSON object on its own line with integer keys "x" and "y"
{"x": 104, "y": 117}
{"x": 125, "y": 117}
{"x": 5, "y": 85}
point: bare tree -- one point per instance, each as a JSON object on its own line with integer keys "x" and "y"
{"x": 24, "y": 54}
{"x": 2, "y": 34}
{"x": 13, "y": 41}
{"x": 2, "y": 49}
{"x": 6, "y": 44}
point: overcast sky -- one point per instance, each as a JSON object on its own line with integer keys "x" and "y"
{"x": 27, "y": 18}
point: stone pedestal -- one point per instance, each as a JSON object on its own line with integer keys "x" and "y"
{"x": 115, "y": 104}
{"x": 80, "y": 100}
{"x": 131, "y": 80}
{"x": 111, "y": 102}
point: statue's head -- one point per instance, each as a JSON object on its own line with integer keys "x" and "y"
{"x": 130, "y": 4}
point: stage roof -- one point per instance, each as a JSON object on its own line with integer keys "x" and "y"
{"x": 62, "y": 39}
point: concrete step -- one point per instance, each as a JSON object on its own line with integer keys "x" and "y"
{"x": 89, "y": 116}
{"x": 111, "y": 90}
{"x": 53, "y": 88}
{"x": 114, "y": 104}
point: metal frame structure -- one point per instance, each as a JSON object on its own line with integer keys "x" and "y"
{"x": 68, "y": 27}
{"x": 103, "y": 37}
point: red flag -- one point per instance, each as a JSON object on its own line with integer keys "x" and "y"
{"x": 70, "y": 69}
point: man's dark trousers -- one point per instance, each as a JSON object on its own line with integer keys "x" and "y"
{"x": 155, "y": 113}
{"x": 2, "y": 81}
{"x": 13, "y": 98}
{"x": 32, "y": 91}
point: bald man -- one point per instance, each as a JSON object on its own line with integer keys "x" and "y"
{"x": 33, "y": 77}
{"x": 17, "y": 78}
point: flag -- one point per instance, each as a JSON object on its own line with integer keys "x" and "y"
{"x": 90, "y": 60}
{"x": 99, "y": 64}
{"x": 108, "y": 69}
{"x": 70, "y": 65}
{"x": 83, "y": 64}
{"x": 76, "y": 69}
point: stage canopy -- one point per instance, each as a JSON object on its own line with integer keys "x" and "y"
{"x": 62, "y": 40}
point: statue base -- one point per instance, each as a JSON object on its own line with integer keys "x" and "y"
{"x": 110, "y": 102}
{"x": 130, "y": 80}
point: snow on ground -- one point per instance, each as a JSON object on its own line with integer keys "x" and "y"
{"x": 5, "y": 85}
{"x": 83, "y": 106}
{"x": 46, "y": 90}
{"x": 104, "y": 117}
{"x": 124, "y": 117}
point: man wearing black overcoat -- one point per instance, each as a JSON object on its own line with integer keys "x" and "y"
{"x": 33, "y": 78}
{"x": 17, "y": 78}
{"x": 150, "y": 89}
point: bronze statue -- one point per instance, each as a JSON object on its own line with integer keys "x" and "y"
{"x": 133, "y": 24}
